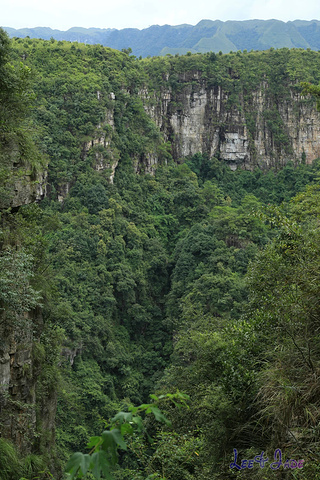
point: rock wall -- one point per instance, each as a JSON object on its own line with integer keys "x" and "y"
{"x": 28, "y": 189}
{"x": 24, "y": 411}
{"x": 107, "y": 156}
{"x": 25, "y": 414}
{"x": 21, "y": 183}
{"x": 255, "y": 130}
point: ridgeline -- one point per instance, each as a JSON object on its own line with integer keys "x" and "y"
{"x": 204, "y": 37}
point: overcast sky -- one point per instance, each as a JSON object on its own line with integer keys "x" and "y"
{"x": 64, "y": 14}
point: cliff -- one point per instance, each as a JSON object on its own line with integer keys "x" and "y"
{"x": 27, "y": 405}
{"x": 27, "y": 409}
{"x": 103, "y": 108}
{"x": 103, "y": 115}
{"x": 253, "y": 131}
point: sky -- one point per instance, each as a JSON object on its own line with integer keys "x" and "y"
{"x": 64, "y": 14}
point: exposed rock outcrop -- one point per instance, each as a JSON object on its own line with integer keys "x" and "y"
{"x": 23, "y": 406}
{"x": 104, "y": 155}
{"x": 29, "y": 188}
{"x": 244, "y": 132}
{"x": 23, "y": 411}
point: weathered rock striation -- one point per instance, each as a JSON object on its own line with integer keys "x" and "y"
{"x": 24, "y": 409}
{"x": 254, "y": 130}
{"x": 28, "y": 188}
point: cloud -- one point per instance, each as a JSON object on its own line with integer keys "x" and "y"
{"x": 285, "y": 9}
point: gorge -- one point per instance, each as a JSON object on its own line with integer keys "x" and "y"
{"x": 158, "y": 232}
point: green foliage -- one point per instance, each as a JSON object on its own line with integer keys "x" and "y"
{"x": 277, "y": 129}
{"x": 10, "y": 461}
{"x": 14, "y": 466}
{"x": 103, "y": 455}
{"x": 314, "y": 90}
{"x": 19, "y": 153}
{"x": 283, "y": 313}
{"x": 159, "y": 281}
{"x": 17, "y": 295}
{"x": 139, "y": 241}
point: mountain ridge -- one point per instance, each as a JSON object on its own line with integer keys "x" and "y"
{"x": 206, "y": 35}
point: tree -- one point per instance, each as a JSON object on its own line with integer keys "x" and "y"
{"x": 103, "y": 456}
{"x": 284, "y": 313}
{"x": 313, "y": 90}
{"x": 16, "y": 294}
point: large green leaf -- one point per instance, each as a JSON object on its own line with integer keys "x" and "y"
{"x": 159, "y": 415}
{"x": 100, "y": 465}
{"x": 78, "y": 465}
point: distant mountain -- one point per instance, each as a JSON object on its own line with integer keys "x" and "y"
{"x": 206, "y": 36}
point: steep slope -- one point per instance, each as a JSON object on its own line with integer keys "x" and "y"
{"x": 146, "y": 233}
{"x": 244, "y": 108}
{"x": 27, "y": 400}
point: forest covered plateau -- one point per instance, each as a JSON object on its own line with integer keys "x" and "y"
{"x": 189, "y": 282}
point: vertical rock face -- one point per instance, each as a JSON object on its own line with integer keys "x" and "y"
{"x": 245, "y": 132}
{"x": 21, "y": 409}
{"x": 17, "y": 399}
{"x": 104, "y": 155}
{"x": 305, "y": 133}
{"x": 21, "y": 182}
{"x": 22, "y": 412}
{"x": 23, "y": 186}
{"x": 28, "y": 189}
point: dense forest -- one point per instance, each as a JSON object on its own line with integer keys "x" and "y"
{"x": 175, "y": 308}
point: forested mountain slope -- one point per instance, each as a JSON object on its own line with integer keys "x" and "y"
{"x": 206, "y": 36}
{"x": 245, "y": 109}
{"x": 154, "y": 266}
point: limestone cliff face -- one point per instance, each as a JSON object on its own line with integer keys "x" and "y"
{"x": 100, "y": 149}
{"x": 29, "y": 188}
{"x": 22, "y": 410}
{"x": 104, "y": 155}
{"x": 23, "y": 184}
{"x": 24, "y": 413}
{"x": 253, "y": 129}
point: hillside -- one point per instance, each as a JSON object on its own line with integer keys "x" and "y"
{"x": 174, "y": 246}
{"x": 206, "y": 36}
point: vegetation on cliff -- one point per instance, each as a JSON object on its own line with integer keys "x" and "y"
{"x": 184, "y": 276}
